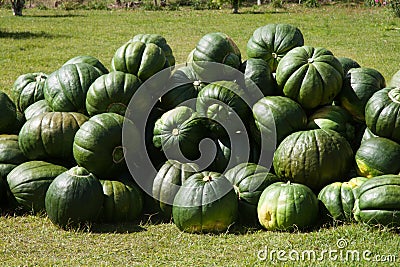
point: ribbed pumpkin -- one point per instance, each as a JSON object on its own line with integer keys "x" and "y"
{"x": 314, "y": 158}
{"x": 65, "y": 89}
{"x": 358, "y": 86}
{"x": 74, "y": 197}
{"x": 287, "y": 206}
{"x": 382, "y": 113}
{"x": 311, "y": 76}
{"x": 8, "y": 115}
{"x": 272, "y": 41}
{"x": 347, "y": 64}
{"x": 28, "y": 184}
{"x": 206, "y": 202}
{"x": 382, "y": 210}
{"x": 50, "y": 135}
{"x": 167, "y": 182}
{"x": 27, "y": 89}
{"x": 112, "y": 92}
{"x": 39, "y": 107}
{"x": 89, "y": 60}
{"x": 377, "y": 156}
{"x": 10, "y": 154}
{"x": 98, "y": 146}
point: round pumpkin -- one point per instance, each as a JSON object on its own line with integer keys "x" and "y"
{"x": 287, "y": 206}
{"x": 10, "y": 154}
{"x": 211, "y": 207}
{"x": 27, "y": 89}
{"x": 50, "y": 135}
{"x": 272, "y": 41}
{"x": 8, "y": 114}
{"x": 37, "y": 108}
{"x": 347, "y": 64}
{"x": 74, "y": 197}
{"x": 314, "y": 158}
{"x": 65, "y": 89}
{"x": 28, "y": 184}
{"x": 89, "y": 60}
{"x": 311, "y": 76}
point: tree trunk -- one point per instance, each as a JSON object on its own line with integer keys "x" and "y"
{"x": 17, "y": 7}
{"x": 258, "y": 2}
{"x": 235, "y": 6}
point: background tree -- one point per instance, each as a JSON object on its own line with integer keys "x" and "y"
{"x": 17, "y": 6}
{"x": 235, "y": 6}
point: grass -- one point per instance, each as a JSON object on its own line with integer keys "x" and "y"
{"x": 42, "y": 40}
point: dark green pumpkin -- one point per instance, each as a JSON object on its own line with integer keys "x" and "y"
{"x": 37, "y": 108}
{"x": 140, "y": 59}
{"x": 383, "y": 210}
{"x": 89, "y": 60}
{"x": 8, "y": 114}
{"x": 98, "y": 144}
{"x": 382, "y": 113}
{"x": 311, "y": 76}
{"x": 28, "y": 184}
{"x": 358, "y": 86}
{"x": 27, "y": 89}
{"x": 395, "y": 80}
{"x": 367, "y": 134}
{"x": 249, "y": 180}
{"x": 272, "y": 41}
{"x": 112, "y": 92}
{"x": 10, "y": 154}
{"x": 158, "y": 40}
{"x": 50, "y": 135}
{"x": 378, "y": 156}
{"x": 347, "y": 64}
{"x": 74, "y": 197}
{"x": 123, "y": 202}
{"x": 206, "y": 202}
{"x": 65, "y": 89}
{"x": 167, "y": 182}
{"x": 287, "y": 206}
{"x": 314, "y": 158}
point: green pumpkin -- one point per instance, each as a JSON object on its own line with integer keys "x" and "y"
{"x": 74, "y": 197}
{"x": 123, "y": 202}
{"x": 140, "y": 59}
{"x": 215, "y": 47}
{"x": 277, "y": 117}
{"x": 259, "y": 79}
{"x": 184, "y": 85}
{"x": 273, "y": 41}
{"x": 383, "y": 210}
{"x": 311, "y": 76}
{"x": 287, "y": 206}
{"x": 112, "y": 92}
{"x": 347, "y": 64}
{"x": 358, "y": 86}
{"x": 367, "y": 134}
{"x": 377, "y": 156}
{"x": 89, "y": 60}
{"x": 212, "y": 205}
{"x": 8, "y": 114}
{"x": 167, "y": 182}
{"x": 50, "y": 135}
{"x": 37, "y": 108}
{"x": 27, "y": 89}
{"x": 314, "y": 158}
{"x": 65, "y": 89}
{"x": 249, "y": 180}
{"x": 382, "y": 113}
{"x": 10, "y": 154}
{"x": 334, "y": 118}
{"x": 97, "y": 145}
{"x": 158, "y": 40}
{"x": 395, "y": 80}
{"x": 28, "y": 184}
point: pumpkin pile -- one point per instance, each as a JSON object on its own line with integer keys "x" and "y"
{"x": 323, "y": 134}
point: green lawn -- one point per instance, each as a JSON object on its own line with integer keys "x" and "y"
{"x": 42, "y": 40}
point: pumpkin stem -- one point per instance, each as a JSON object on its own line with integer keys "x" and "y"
{"x": 118, "y": 154}
{"x": 207, "y": 178}
{"x": 274, "y": 55}
{"x": 394, "y": 95}
{"x": 175, "y": 132}
{"x": 310, "y": 60}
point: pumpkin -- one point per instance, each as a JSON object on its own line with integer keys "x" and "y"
{"x": 65, "y": 89}
{"x": 50, "y": 135}
{"x": 272, "y": 41}
{"x": 206, "y": 202}
{"x": 347, "y": 64}
{"x": 377, "y": 156}
{"x": 28, "y": 184}
{"x": 367, "y": 134}
{"x": 10, "y": 154}
{"x": 74, "y": 197}
{"x": 287, "y": 206}
{"x": 311, "y": 76}
{"x": 313, "y": 157}
{"x": 358, "y": 86}
{"x": 8, "y": 115}
{"x": 27, "y": 89}
{"x": 39, "y": 107}
{"x": 395, "y": 80}
{"x": 89, "y": 60}
{"x": 383, "y": 210}
{"x": 97, "y": 145}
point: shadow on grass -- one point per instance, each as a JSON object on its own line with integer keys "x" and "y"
{"x": 27, "y": 35}
{"x": 55, "y": 15}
